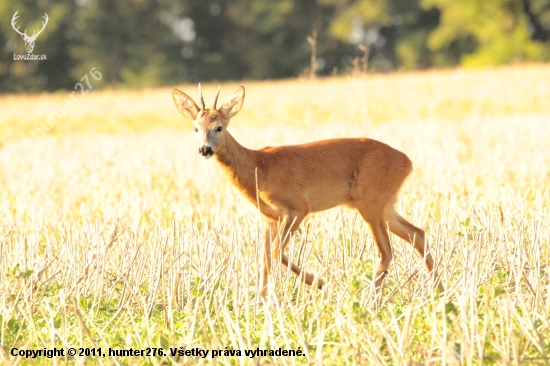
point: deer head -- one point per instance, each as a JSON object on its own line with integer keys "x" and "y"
{"x": 209, "y": 123}
{"x": 29, "y": 41}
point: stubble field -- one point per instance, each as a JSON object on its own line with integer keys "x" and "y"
{"x": 114, "y": 233}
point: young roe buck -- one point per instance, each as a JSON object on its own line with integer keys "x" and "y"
{"x": 288, "y": 182}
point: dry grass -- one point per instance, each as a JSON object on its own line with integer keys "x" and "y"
{"x": 115, "y": 234}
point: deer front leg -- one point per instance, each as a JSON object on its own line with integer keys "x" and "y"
{"x": 269, "y": 232}
{"x": 276, "y": 241}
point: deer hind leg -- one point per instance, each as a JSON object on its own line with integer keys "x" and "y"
{"x": 374, "y": 218}
{"x": 414, "y": 235}
{"x": 277, "y": 234}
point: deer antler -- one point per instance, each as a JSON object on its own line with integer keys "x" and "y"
{"x": 13, "y": 19}
{"x": 34, "y": 35}
{"x": 202, "y": 99}
{"x": 217, "y": 95}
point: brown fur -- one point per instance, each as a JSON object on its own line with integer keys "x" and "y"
{"x": 289, "y": 182}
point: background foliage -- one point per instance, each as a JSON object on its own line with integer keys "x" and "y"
{"x": 157, "y": 42}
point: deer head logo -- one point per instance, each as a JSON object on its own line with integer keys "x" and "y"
{"x": 29, "y": 40}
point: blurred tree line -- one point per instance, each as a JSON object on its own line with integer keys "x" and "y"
{"x": 139, "y": 43}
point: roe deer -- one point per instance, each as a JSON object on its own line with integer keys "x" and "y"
{"x": 288, "y": 182}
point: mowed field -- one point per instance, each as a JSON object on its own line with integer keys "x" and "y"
{"x": 115, "y": 233}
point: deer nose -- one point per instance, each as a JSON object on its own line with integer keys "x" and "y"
{"x": 206, "y": 150}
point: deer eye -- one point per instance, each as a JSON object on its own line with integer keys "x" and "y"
{"x": 196, "y": 129}
{"x": 219, "y": 129}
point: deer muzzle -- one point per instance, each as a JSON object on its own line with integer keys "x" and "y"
{"x": 206, "y": 151}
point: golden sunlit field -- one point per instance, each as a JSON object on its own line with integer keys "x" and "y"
{"x": 116, "y": 234}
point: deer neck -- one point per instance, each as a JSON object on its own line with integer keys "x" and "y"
{"x": 239, "y": 164}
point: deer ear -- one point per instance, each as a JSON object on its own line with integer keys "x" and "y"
{"x": 185, "y": 104}
{"x": 233, "y": 103}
